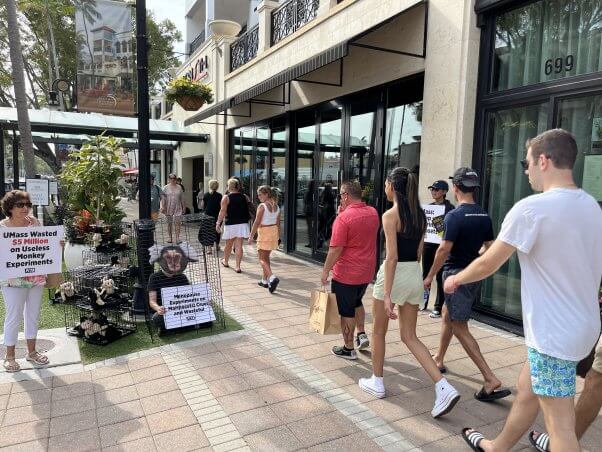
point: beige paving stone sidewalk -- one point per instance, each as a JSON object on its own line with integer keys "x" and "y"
{"x": 271, "y": 387}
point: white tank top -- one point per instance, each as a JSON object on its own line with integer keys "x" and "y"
{"x": 269, "y": 218}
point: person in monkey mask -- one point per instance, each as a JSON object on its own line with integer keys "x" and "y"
{"x": 173, "y": 260}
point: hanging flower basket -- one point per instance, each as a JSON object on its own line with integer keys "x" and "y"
{"x": 189, "y": 94}
{"x": 190, "y": 103}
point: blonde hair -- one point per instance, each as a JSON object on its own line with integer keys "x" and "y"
{"x": 213, "y": 186}
{"x": 233, "y": 183}
{"x": 272, "y": 192}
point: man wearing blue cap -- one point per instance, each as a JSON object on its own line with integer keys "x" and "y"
{"x": 438, "y": 191}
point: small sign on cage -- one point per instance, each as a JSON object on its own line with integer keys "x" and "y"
{"x": 187, "y": 305}
{"x": 30, "y": 251}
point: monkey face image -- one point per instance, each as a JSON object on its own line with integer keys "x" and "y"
{"x": 173, "y": 259}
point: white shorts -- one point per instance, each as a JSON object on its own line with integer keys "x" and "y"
{"x": 407, "y": 284}
{"x": 233, "y": 231}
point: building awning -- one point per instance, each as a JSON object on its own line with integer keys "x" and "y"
{"x": 288, "y": 75}
{"x": 337, "y": 52}
{"x": 69, "y": 123}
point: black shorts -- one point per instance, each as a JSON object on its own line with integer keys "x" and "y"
{"x": 349, "y": 297}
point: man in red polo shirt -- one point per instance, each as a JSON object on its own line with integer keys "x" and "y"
{"x": 352, "y": 258}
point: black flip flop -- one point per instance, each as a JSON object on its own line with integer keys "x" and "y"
{"x": 224, "y": 264}
{"x": 473, "y": 439}
{"x": 443, "y": 369}
{"x": 238, "y": 271}
{"x": 484, "y": 396}
{"x": 541, "y": 443}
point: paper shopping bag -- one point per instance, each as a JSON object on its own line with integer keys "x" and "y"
{"x": 323, "y": 313}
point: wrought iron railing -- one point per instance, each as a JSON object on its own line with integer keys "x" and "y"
{"x": 291, "y": 16}
{"x": 197, "y": 42}
{"x": 244, "y": 49}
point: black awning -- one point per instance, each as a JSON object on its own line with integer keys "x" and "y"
{"x": 328, "y": 56}
{"x": 482, "y": 6}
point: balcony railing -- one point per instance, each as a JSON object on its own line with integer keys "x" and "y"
{"x": 244, "y": 49}
{"x": 198, "y": 41}
{"x": 291, "y": 16}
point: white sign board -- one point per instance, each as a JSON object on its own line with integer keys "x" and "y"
{"x": 37, "y": 189}
{"x": 434, "y": 223}
{"x": 187, "y": 305}
{"x": 30, "y": 251}
{"x": 53, "y": 188}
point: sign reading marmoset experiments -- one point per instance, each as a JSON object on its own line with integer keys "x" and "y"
{"x": 187, "y": 305}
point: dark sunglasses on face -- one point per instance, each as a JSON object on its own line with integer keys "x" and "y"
{"x": 434, "y": 189}
{"x": 525, "y": 164}
{"x": 20, "y": 205}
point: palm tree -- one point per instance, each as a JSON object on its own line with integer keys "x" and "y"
{"x": 89, "y": 14}
{"x": 16, "y": 59}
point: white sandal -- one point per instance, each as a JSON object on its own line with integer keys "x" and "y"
{"x": 37, "y": 358}
{"x": 11, "y": 365}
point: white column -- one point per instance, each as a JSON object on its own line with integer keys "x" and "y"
{"x": 325, "y": 6}
{"x": 448, "y": 116}
{"x": 264, "y": 10}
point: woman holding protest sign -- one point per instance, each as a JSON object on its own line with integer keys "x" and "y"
{"x": 22, "y": 296}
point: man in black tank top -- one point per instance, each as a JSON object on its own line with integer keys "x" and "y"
{"x": 467, "y": 229}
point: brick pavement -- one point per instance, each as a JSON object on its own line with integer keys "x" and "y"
{"x": 272, "y": 386}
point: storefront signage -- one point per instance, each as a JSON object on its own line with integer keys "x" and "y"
{"x": 38, "y": 191}
{"x": 199, "y": 70}
{"x": 557, "y": 65}
{"x": 30, "y": 251}
{"x": 187, "y": 305}
{"x": 434, "y": 223}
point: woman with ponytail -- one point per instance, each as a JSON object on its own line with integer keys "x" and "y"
{"x": 399, "y": 282}
{"x": 267, "y": 227}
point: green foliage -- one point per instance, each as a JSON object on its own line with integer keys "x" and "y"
{"x": 183, "y": 86}
{"x": 90, "y": 177}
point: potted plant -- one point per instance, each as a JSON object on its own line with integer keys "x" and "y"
{"x": 89, "y": 183}
{"x": 189, "y": 94}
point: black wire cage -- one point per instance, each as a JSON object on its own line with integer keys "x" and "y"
{"x": 179, "y": 266}
{"x": 98, "y": 296}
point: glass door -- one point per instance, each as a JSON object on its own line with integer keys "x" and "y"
{"x": 305, "y": 186}
{"x": 278, "y": 172}
{"x": 261, "y": 159}
{"x": 329, "y": 177}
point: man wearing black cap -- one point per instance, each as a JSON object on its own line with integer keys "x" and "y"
{"x": 438, "y": 191}
{"x": 467, "y": 229}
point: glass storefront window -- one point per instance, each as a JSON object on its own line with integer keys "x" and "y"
{"x": 246, "y": 160}
{"x": 583, "y": 117}
{"x": 404, "y": 134}
{"x": 547, "y": 40}
{"x": 305, "y": 185}
{"x": 362, "y": 157}
{"x": 261, "y": 158}
{"x": 504, "y": 184}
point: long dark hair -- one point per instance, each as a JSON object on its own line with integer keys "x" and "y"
{"x": 405, "y": 186}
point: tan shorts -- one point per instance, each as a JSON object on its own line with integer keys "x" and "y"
{"x": 597, "y": 365}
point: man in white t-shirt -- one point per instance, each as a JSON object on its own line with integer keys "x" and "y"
{"x": 556, "y": 235}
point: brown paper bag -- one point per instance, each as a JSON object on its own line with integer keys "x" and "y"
{"x": 323, "y": 313}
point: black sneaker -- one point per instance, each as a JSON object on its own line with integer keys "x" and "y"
{"x": 262, "y": 284}
{"x": 273, "y": 284}
{"x": 342, "y": 352}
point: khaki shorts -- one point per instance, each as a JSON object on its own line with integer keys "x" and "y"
{"x": 597, "y": 365}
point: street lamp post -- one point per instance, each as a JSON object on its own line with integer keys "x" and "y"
{"x": 143, "y": 112}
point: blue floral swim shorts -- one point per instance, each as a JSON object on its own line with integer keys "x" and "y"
{"x": 552, "y": 377}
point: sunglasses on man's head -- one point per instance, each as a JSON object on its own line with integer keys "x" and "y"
{"x": 20, "y": 205}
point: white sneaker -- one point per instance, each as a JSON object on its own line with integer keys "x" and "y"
{"x": 446, "y": 399}
{"x": 371, "y": 386}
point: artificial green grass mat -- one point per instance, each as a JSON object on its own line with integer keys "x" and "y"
{"x": 141, "y": 340}
{"x": 53, "y": 316}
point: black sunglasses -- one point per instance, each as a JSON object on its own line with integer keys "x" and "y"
{"x": 20, "y": 205}
{"x": 525, "y": 164}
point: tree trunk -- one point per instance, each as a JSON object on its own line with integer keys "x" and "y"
{"x": 16, "y": 58}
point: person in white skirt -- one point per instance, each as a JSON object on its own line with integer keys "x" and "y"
{"x": 235, "y": 210}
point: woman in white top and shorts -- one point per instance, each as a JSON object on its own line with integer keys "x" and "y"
{"x": 267, "y": 227}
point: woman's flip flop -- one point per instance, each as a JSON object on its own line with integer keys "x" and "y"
{"x": 11, "y": 365}
{"x": 540, "y": 443}
{"x": 37, "y": 359}
{"x": 225, "y": 265}
{"x": 473, "y": 438}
